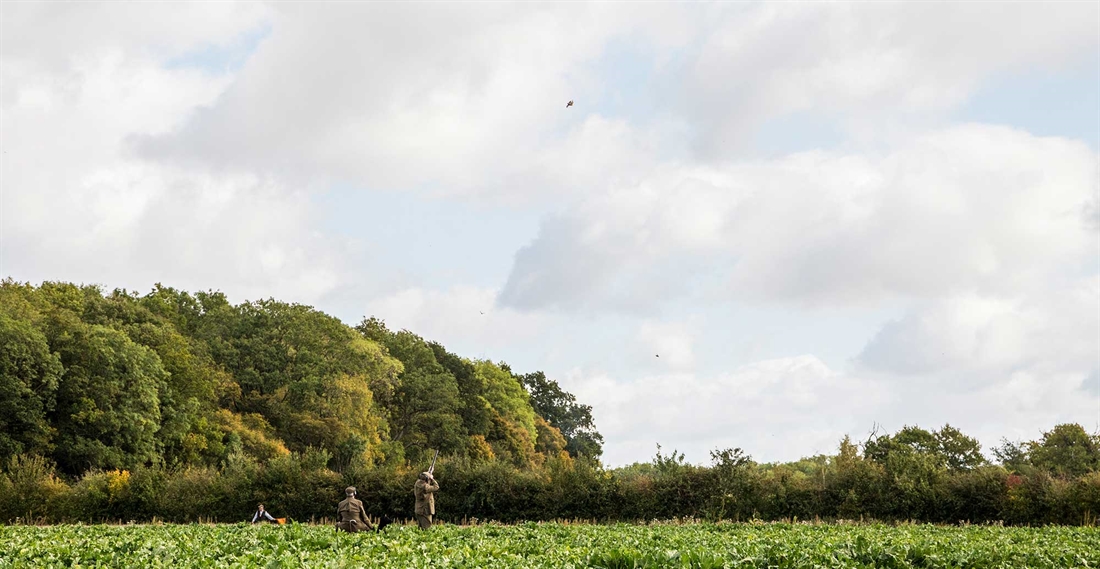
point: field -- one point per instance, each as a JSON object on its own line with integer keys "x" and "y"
{"x": 550, "y": 545}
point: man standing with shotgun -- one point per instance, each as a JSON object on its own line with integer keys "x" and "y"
{"x": 425, "y": 490}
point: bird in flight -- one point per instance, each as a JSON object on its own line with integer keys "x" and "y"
{"x": 569, "y": 104}
{"x": 658, "y": 355}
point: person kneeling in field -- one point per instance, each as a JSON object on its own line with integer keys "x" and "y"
{"x": 263, "y": 515}
{"x": 350, "y": 515}
{"x": 424, "y": 490}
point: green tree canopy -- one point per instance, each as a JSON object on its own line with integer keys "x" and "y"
{"x": 424, "y": 411}
{"x": 560, "y": 409}
{"x": 108, "y": 405}
{"x": 29, "y": 376}
{"x": 96, "y": 380}
{"x": 946, "y": 448}
{"x": 1066, "y": 450}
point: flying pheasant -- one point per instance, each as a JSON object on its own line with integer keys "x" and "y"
{"x": 569, "y": 104}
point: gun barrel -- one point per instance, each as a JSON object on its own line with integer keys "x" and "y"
{"x": 431, "y": 469}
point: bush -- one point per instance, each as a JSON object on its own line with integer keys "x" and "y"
{"x": 977, "y": 496}
{"x": 1086, "y": 499}
{"x": 302, "y": 487}
{"x": 189, "y": 495}
{"x": 30, "y": 490}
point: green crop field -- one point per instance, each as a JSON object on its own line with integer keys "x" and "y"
{"x": 550, "y": 545}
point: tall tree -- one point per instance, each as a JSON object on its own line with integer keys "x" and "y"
{"x": 1012, "y": 454}
{"x": 306, "y": 373}
{"x": 946, "y": 448}
{"x": 959, "y": 451}
{"x": 513, "y": 434}
{"x": 476, "y": 410}
{"x": 424, "y": 411}
{"x": 1066, "y": 450}
{"x": 186, "y": 434}
{"x": 560, "y": 409}
{"x": 108, "y": 406}
{"x": 29, "y": 375}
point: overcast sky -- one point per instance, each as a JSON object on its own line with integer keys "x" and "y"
{"x": 821, "y": 217}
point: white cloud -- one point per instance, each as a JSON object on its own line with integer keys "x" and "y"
{"x": 50, "y": 36}
{"x": 470, "y": 98}
{"x": 774, "y": 409}
{"x": 956, "y": 332}
{"x": 461, "y": 98}
{"x": 984, "y": 231}
{"x": 987, "y": 232}
{"x": 1019, "y": 405}
{"x": 1051, "y": 331}
{"x": 971, "y": 209}
{"x": 1091, "y": 386}
{"x": 462, "y": 318}
{"x": 671, "y": 343}
{"x": 782, "y": 409}
{"x": 877, "y": 66}
{"x": 79, "y": 208}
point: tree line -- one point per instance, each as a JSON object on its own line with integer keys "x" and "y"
{"x": 98, "y": 381}
{"x": 180, "y": 406}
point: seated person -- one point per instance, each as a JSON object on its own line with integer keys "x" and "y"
{"x": 350, "y": 514}
{"x": 262, "y": 515}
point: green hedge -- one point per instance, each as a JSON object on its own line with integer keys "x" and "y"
{"x": 302, "y": 488}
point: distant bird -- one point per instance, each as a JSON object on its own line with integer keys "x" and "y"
{"x": 658, "y": 355}
{"x": 569, "y": 104}
{"x": 481, "y": 312}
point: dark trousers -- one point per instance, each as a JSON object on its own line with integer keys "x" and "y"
{"x": 424, "y": 520}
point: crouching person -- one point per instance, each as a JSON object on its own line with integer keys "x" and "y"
{"x": 350, "y": 515}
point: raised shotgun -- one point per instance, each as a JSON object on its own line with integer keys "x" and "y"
{"x": 431, "y": 469}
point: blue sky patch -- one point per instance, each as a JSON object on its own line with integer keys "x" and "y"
{"x": 1045, "y": 102}
{"x": 436, "y": 240}
{"x": 222, "y": 58}
{"x": 797, "y": 132}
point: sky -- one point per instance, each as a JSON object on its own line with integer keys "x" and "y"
{"x": 761, "y": 225}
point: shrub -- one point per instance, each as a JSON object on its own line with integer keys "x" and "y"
{"x": 30, "y": 490}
